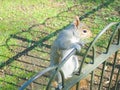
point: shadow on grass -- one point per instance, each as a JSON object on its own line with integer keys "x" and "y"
{"x": 40, "y": 42}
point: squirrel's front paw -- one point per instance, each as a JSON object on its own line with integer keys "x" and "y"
{"x": 77, "y": 47}
{"x": 84, "y": 84}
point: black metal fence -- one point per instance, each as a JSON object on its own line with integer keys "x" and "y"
{"x": 104, "y": 67}
{"x": 100, "y": 63}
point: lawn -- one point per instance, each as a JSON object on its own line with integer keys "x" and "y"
{"x": 27, "y": 28}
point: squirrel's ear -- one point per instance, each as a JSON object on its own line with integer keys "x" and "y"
{"x": 76, "y": 21}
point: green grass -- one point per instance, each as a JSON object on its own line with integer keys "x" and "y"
{"x": 19, "y": 15}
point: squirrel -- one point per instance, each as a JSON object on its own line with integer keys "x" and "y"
{"x": 73, "y": 36}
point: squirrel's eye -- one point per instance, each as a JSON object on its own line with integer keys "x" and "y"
{"x": 85, "y": 31}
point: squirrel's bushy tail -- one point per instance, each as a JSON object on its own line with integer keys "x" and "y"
{"x": 54, "y": 56}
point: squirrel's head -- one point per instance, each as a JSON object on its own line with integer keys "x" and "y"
{"x": 83, "y": 30}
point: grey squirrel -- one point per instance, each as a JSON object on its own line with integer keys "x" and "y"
{"x": 71, "y": 37}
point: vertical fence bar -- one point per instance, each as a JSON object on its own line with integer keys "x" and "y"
{"x": 118, "y": 34}
{"x": 92, "y": 74}
{"x": 50, "y": 81}
{"x": 77, "y": 86}
{"x": 94, "y": 54}
{"x": 92, "y": 80}
{"x": 63, "y": 78}
{"x": 114, "y": 64}
{"x": 102, "y": 75}
{"x": 116, "y": 84}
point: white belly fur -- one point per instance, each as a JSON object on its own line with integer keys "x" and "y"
{"x": 70, "y": 66}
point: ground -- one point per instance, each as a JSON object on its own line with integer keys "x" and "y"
{"x": 28, "y": 28}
